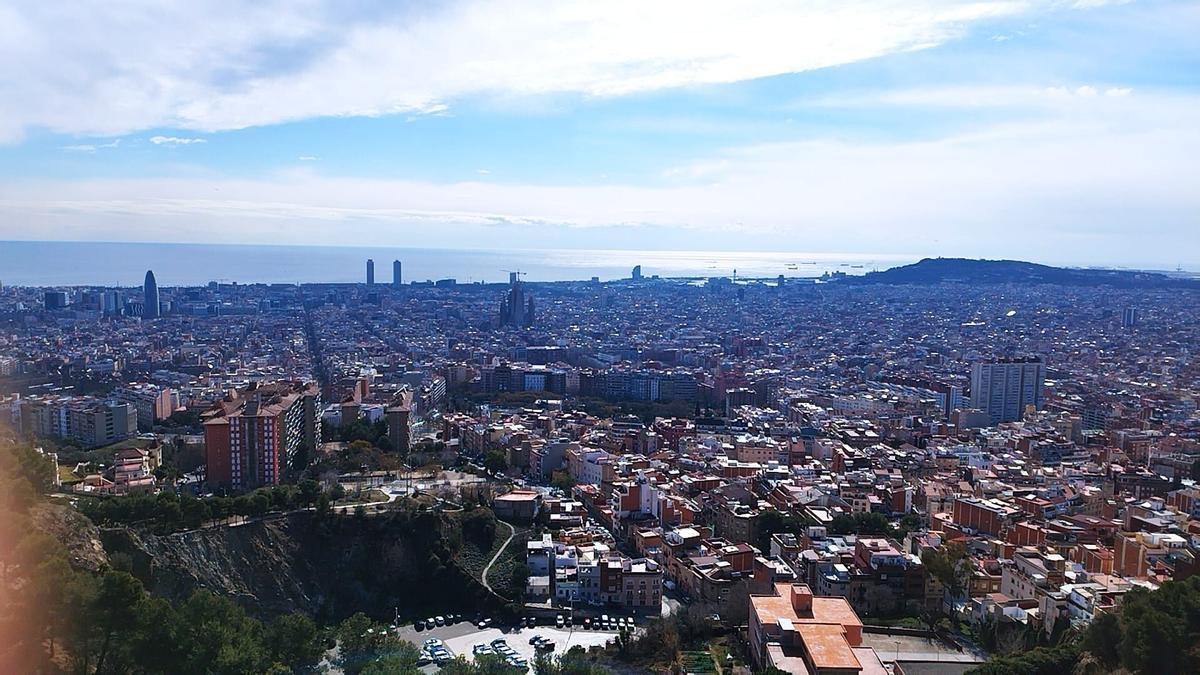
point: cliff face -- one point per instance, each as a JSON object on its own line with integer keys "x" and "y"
{"x": 328, "y": 568}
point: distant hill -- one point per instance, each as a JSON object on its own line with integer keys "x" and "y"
{"x": 964, "y": 270}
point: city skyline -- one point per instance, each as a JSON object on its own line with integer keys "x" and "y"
{"x": 953, "y": 129}
{"x": 817, "y": 336}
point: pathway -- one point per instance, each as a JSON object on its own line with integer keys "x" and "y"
{"x": 512, "y": 532}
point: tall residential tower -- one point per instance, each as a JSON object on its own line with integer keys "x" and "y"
{"x": 1004, "y": 387}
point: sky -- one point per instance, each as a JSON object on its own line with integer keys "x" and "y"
{"x": 1062, "y": 131}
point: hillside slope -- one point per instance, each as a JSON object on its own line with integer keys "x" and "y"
{"x": 939, "y": 270}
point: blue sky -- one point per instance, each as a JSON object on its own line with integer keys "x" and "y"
{"x": 1057, "y": 131}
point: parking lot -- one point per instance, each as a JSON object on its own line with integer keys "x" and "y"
{"x": 460, "y": 639}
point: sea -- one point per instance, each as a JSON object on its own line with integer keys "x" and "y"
{"x": 37, "y": 263}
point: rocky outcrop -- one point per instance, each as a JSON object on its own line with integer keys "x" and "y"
{"x": 78, "y": 535}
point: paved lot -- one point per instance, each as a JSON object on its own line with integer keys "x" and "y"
{"x": 461, "y": 637}
{"x": 908, "y": 648}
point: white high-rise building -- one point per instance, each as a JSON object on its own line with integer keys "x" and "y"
{"x": 1003, "y": 388}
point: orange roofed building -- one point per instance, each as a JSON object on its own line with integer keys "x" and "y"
{"x": 794, "y": 631}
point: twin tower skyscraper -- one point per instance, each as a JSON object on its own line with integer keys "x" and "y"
{"x": 397, "y": 273}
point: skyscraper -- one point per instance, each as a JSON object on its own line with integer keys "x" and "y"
{"x": 637, "y": 272}
{"x": 1129, "y": 317}
{"x": 397, "y": 277}
{"x": 55, "y": 299}
{"x": 370, "y": 272}
{"x": 112, "y": 303}
{"x": 150, "y": 299}
{"x": 1002, "y": 388}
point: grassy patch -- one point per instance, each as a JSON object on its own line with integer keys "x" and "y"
{"x": 500, "y": 575}
{"x": 374, "y": 495}
{"x": 900, "y": 622}
{"x": 66, "y": 474}
{"x": 140, "y": 443}
{"x": 720, "y": 649}
{"x": 473, "y": 557}
{"x": 697, "y": 662}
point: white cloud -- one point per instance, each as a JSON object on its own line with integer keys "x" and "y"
{"x": 307, "y": 158}
{"x": 91, "y": 147}
{"x": 1078, "y": 185}
{"x": 175, "y": 140}
{"x": 968, "y": 96}
{"x": 100, "y": 69}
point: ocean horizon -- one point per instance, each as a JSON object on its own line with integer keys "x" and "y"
{"x": 59, "y": 263}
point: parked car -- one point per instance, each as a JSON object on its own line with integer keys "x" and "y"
{"x": 441, "y": 620}
{"x": 559, "y": 621}
{"x": 419, "y": 625}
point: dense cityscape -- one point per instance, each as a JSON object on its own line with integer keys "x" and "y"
{"x": 480, "y": 337}
{"x": 838, "y": 476}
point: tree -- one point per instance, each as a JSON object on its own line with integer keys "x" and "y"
{"x": 495, "y": 461}
{"x": 362, "y": 641}
{"x": 563, "y": 481}
{"x": 309, "y": 490}
{"x": 573, "y": 662}
{"x": 162, "y": 641}
{"x": 113, "y": 614}
{"x": 1103, "y": 639}
{"x": 479, "y": 525}
{"x": 862, "y": 523}
{"x": 220, "y": 637}
{"x": 950, "y": 565}
{"x": 293, "y": 640}
{"x": 909, "y": 522}
{"x": 519, "y": 578}
{"x": 398, "y": 657}
{"x": 772, "y": 522}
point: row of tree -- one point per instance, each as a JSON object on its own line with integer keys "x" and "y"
{"x": 871, "y": 524}
{"x": 169, "y": 512}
